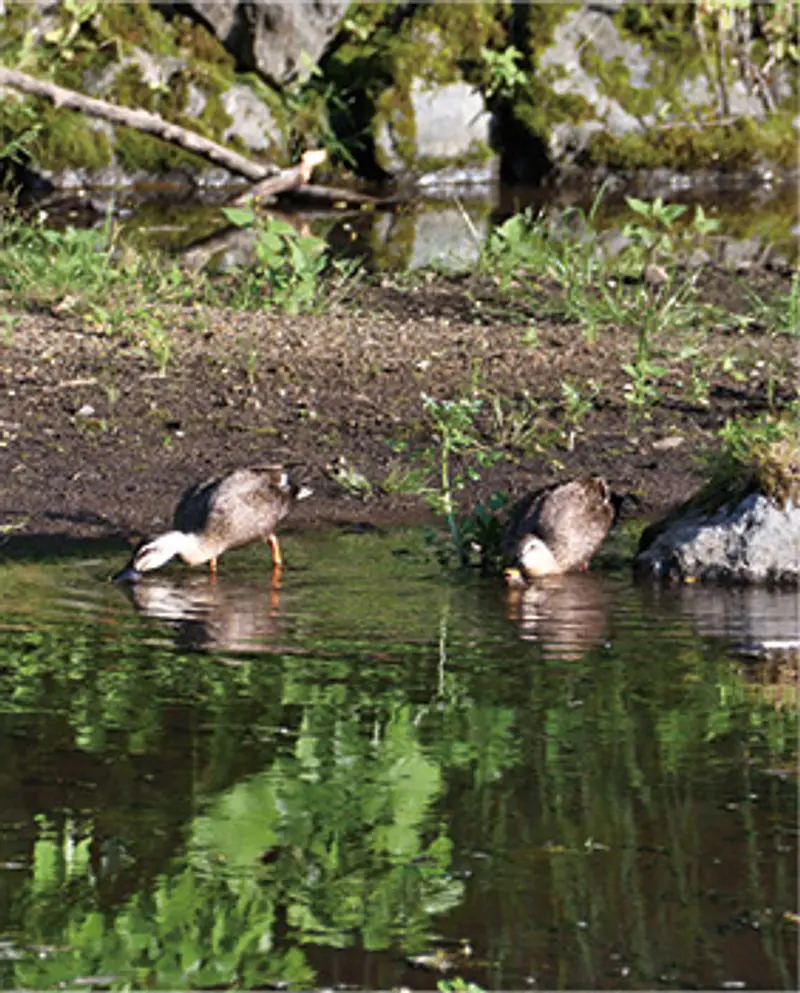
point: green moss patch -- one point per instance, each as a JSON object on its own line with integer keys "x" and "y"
{"x": 67, "y": 141}
{"x": 760, "y": 455}
{"x": 686, "y": 146}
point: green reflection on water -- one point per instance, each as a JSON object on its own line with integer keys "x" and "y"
{"x": 205, "y": 787}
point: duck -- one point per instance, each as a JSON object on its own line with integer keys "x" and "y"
{"x": 215, "y": 515}
{"x": 557, "y": 529}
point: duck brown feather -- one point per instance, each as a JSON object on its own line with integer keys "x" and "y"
{"x": 571, "y": 519}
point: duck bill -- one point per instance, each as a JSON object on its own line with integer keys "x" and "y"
{"x": 127, "y": 575}
{"x": 514, "y": 578}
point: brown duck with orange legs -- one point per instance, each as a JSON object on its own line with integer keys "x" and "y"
{"x": 219, "y": 514}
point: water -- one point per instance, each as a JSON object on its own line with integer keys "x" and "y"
{"x": 755, "y": 225}
{"x": 384, "y": 776}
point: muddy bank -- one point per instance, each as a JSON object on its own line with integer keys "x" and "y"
{"x": 97, "y": 443}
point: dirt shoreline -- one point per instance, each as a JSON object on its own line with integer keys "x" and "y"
{"x": 95, "y": 443}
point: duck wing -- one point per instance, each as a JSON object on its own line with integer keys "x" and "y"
{"x": 247, "y": 505}
{"x": 192, "y": 513}
{"x": 525, "y": 518}
{"x": 574, "y": 519}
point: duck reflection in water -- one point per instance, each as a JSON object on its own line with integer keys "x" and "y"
{"x": 226, "y": 614}
{"x": 567, "y": 614}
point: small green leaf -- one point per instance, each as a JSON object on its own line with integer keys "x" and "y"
{"x": 240, "y": 217}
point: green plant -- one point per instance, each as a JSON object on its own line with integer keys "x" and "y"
{"x": 66, "y": 36}
{"x": 482, "y": 530}
{"x": 456, "y": 439}
{"x": 577, "y": 406}
{"x": 455, "y": 434}
{"x": 761, "y": 452}
{"x": 40, "y": 264}
{"x": 654, "y": 233}
{"x": 14, "y": 143}
{"x": 288, "y": 266}
{"x": 779, "y": 312}
{"x": 517, "y": 423}
{"x": 506, "y": 76}
{"x": 700, "y": 371}
{"x": 641, "y": 391}
{"x": 518, "y": 243}
{"x": 458, "y": 985}
{"x": 155, "y": 337}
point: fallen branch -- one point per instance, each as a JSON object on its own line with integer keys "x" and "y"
{"x": 338, "y": 197}
{"x": 268, "y": 179}
{"x": 286, "y": 179}
{"x": 139, "y": 120}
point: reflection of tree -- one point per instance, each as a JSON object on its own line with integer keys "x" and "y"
{"x": 342, "y": 826}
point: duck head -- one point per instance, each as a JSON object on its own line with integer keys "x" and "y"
{"x": 533, "y": 559}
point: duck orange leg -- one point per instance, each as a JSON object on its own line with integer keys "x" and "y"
{"x": 277, "y": 561}
{"x": 212, "y": 567}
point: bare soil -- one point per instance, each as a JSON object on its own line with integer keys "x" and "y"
{"x": 95, "y": 443}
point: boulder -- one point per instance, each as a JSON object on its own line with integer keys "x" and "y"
{"x": 593, "y": 27}
{"x": 280, "y": 40}
{"x": 750, "y": 540}
{"x": 251, "y": 120}
{"x": 439, "y": 126}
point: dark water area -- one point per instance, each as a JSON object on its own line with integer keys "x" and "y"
{"x": 384, "y": 776}
{"x": 442, "y": 228}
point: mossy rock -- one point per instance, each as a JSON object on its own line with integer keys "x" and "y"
{"x": 130, "y": 55}
{"x": 758, "y": 458}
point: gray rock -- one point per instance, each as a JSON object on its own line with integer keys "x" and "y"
{"x": 563, "y": 58}
{"x": 696, "y": 91}
{"x": 196, "y": 101}
{"x": 752, "y": 541}
{"x": 280, "y": 39}
{"x": 450, "y": 123}
{"x": 251, "y": 119}
{"x": 156, "y": 71}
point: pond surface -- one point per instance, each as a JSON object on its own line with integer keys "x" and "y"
{"x": 385, "y": 775}
{"x": 756, "y": 225}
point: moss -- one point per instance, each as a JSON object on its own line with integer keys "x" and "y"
{"x": 198, "y": 40}
{"x": 130, "y": 90}
{"x": 137, "y": 24}
{"x": 394, "y": 251}
{"x": 382, "y": 53}
{"x": 614, "y": 81}
{"x": 477, "y": 153}
{"x": 538, "y": 106}
{"x": 394, "y": 106}
{"x": 214, "y": 120}
{"x": 141, "y": 151}
{"x": 67, "y": 141}
{"x": 740, "y": 144}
